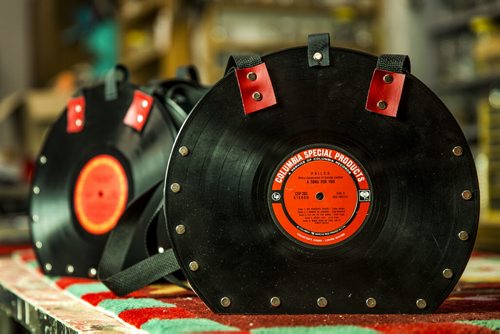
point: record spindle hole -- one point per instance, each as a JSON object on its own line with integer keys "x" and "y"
{"x": 320, "y": 196}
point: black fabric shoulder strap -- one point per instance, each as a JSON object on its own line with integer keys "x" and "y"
{"x": 242, "y": 61}
{"x": 394, "y": 63}
{"x": 138, "y": 216}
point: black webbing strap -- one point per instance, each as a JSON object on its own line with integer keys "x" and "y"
{"x": 187, "y": 72}
{"x": 178, "y": 114}
{"x": 242, "y": 61}
{"x": 394, "y": 63}
{"x": 138, "y": 216}
{"x": 116, "y": 74}
{"x": 318, "y": 50}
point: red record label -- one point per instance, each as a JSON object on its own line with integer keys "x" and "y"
{"x": 101, "y": 193}
{"x": 320, "y": 196}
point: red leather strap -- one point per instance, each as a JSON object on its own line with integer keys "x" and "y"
{"x": 75, "y": 115}
{"x": 256, "y": 88}
{"x": 138, "y": 112}
{"x": 385, "y": 92}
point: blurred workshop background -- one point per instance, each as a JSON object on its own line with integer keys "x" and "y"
{"x": 50, "y": 47}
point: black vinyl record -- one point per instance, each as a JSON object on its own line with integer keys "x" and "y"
{"x": 243, "y": 206}
{"x": 84, "y": 180}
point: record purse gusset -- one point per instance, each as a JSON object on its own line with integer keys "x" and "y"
{"x": 110, "y": 145}
{"x": 321, "y": 180}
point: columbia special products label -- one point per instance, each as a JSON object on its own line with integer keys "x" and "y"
{"x": 101, "y": 193}
{"x": 320, "y": 196}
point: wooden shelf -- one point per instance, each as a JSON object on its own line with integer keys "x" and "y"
{"x": 460, "y": 21}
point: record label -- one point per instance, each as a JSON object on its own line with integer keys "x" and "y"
{"x": 101, "y": 193}
{"x": 320, "y": 196}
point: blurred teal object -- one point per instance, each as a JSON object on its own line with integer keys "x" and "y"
{"x": 102, "y": 42}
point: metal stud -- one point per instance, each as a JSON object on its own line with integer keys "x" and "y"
{"x": 257, "y": 96}
{"x": 78, "y": 108}
{"x": 161, "y": 249}
{"x": 194, "y": 266}
{"x": 43, "y": 159}
{"x": 144, "y": 103}
{"x": 371, "y": 302}
{"x": 447, "y": 273}
{"x": 184, "y": 151}
{"x": 381, "y": 104}
{"x": 78, "y": 122}
{"x": 251, "y": 76}
{"x": 466, "y": 195}
{"x": 458, "y": 151}
{"x": 92, "y": 272}
{"x": 175, "y": 187}
{"x": 225, "y": 301}
{"x": 180, "y": 229}
{"x": 388, "y": 78}
{"x": 322, "y": 302}
{"x": 36, "y": 190}
{"x": 35, "y": 218}
{"x": 421, "y": 303}
{"x": 463, "y": 235}
{"x": 275, "y": 302}
{"x": 318, "y": 56}
{"x": 48, "y": 267}
{"x": 70, "y": 269}
{"x": 140, "y": 118}
{"x": 38, "y": 244}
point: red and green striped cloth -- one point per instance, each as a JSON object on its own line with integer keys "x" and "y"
{"x": 474, "y": 307}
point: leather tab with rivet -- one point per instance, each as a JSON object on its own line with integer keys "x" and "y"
{"x": 75, "y": 115}
{"x": 386, "y": 86}
{"x": 138, "y": 111}
{"x": 318, "y": 50}
{"x": 256, "y": 88}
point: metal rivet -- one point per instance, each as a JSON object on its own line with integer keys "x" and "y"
{"x": 70, "y": 269}
{"x": 175, "y": 187}
{"x": 388, "y": 78}
{"x": 458, "y": 151}
{"x": 78, "y": 122}
{"x": 34, "y": 218}
{"x": 371, "y": 302}
{"x": 381, "y": 104}
{"x": 194, "y": 266}
{"x": 184, "y": 151}
{"x": 257, "y": 96}
{"x": 448, "y": 273}
{"x": 180, "y": 229}
{"x": 36, "y": 190}
{"x": 145, "y": 103}
{"x": 161, "y": 249}
{"x": 463, "y": 235}
{"x": 38, "y": 244}
{"x": 318, "y": 56}
{"x": 275, "y": 302}
{"x": 251, "y": 76}
{"x": 43, "y": 159}
{"x": 140, "y": 118}
{"x": 48, "y": 267}
{"x": 78, "y": 108}
{"x": 466, "y": 195}
{"x": 225, "y": 301}
{"x": 92, "y": 272}
{"x": 322, "y": 302}
{"x": 421, "y": 303}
